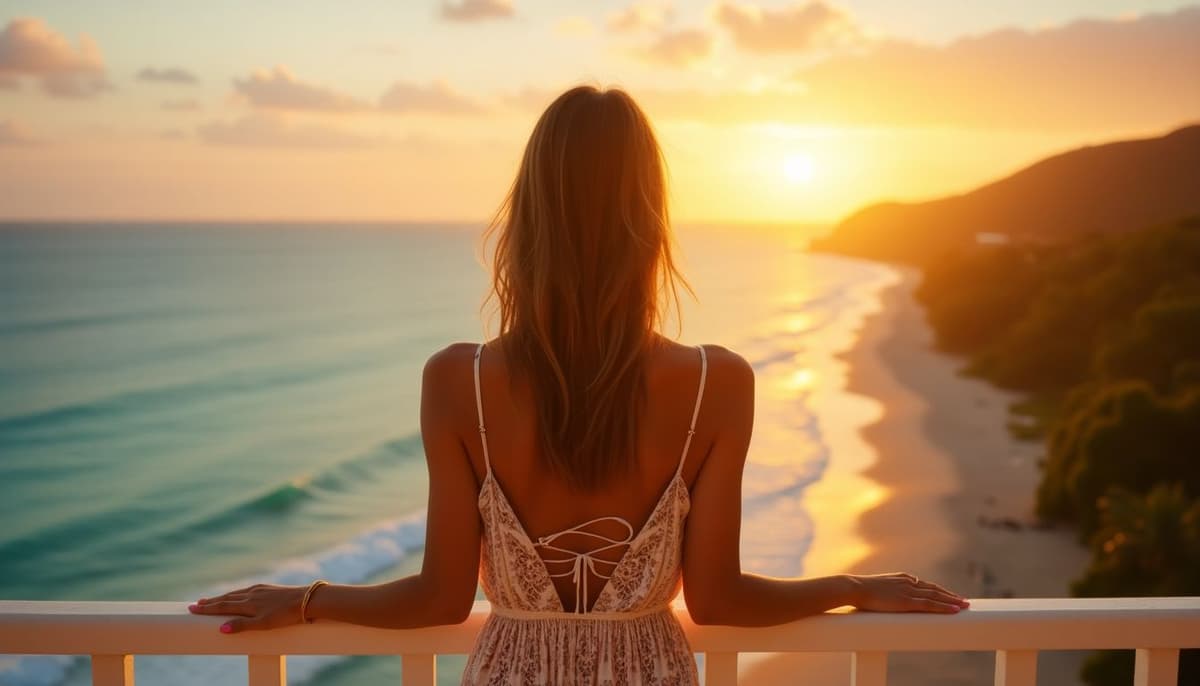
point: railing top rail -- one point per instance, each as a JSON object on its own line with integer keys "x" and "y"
{"x": 146, "y": 628}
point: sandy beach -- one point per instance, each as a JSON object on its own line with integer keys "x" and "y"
{"x": 959, "y": 503}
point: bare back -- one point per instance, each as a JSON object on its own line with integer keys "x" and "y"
{"x": 547, "y": 508}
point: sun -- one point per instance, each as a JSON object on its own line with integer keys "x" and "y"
{"x": 798, "y": 168}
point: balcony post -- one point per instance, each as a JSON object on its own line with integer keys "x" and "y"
{"x": 868, "y": 668}
{"x": 267, "y": 670}
{"x": 1016, "y": 667}
{"x": 112, "y": 670}
{"x": 1156, "y": 667}
{"x": 720, "y": 669}
{"x": 418, "y": 670}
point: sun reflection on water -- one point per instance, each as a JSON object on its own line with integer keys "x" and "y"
{"x": 802, "y": 379}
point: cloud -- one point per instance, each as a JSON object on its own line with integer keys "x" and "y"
{"x": 182, "y": 105}
{"x": 74, "y": 86}
{"x": 437, "y": 98}
{"x": 679, "y": 48}
{"x": 279, "y": 89}
{"x": 1134, "y": 72}
{"x": 798, "y": 28}
{"x": 476, "y": 10}
{"x": 167, "y": 75}
{"x": 1131, "y": 74}
{"x": 263, "y": 130}
{"x": 29, "y": 47}
{"x": 641, "y": 16}
{"x": 15, "y": 134}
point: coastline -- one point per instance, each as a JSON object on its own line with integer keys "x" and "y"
{"x": 958, "y": 499}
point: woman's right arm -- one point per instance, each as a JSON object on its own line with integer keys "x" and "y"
{"x": 715, "y": 588}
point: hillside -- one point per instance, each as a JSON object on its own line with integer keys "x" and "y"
{"x": 1112, "y": 187}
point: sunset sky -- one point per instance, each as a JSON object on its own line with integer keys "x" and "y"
{"x": 418, "y": 110}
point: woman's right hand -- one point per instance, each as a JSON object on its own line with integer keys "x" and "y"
{"x": 901, "y": 592}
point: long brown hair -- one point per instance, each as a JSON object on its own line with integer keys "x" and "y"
{"x": 582, "y": 274}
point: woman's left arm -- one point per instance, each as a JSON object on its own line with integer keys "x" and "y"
{"x": 444, "y": 591}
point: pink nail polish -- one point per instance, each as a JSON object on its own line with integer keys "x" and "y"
{"x": 193, "y": 607}
{"x": 226, "y": 628}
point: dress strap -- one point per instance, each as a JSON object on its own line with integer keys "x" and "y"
{"x": 696, "y": 410}
{"x": 479, "y": 409}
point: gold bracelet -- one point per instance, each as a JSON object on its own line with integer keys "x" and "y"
{"x": 307, "y": 597}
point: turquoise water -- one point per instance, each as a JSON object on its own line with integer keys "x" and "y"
{"x": 186, "y": 407}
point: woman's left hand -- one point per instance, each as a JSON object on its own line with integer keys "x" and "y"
{"x": 261, "y": 606}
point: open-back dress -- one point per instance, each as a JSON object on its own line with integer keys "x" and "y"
{"x": 628, "y": 637}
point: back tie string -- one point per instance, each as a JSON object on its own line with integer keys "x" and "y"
{"x": 583, "y": 562}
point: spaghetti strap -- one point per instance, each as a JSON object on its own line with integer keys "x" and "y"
{"x": 487, "y": 461}
{"x": 695, "y": 410}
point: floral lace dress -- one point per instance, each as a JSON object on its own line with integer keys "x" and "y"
{"x": 630, "y": 635}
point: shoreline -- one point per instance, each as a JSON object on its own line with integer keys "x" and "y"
{"x": 958, "y": 499}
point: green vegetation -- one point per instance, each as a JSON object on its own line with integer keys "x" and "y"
{"x": 1120, "y": 436}
{"x": 1103, "y": 332}
{"x": 1146, "y": 546}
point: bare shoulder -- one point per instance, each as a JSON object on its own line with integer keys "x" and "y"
{"x": 727, "y": 406}
{"x": 728, "y": 370}
{"x": 671, "y": 354}
{"x": 676, "y": 365}
{"x": 448, "y": 378}
{"x": 449, "y": 362}
{"x": 730, "y": 392}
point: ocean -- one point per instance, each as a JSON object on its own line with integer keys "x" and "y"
{"x": 189, "y": 407}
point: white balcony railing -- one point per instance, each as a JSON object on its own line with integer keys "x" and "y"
{"x": 1016, "y": 629}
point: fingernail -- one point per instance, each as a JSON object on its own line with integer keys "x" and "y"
{"x": 193, "y": 607}
{"x": 226, "y": 628}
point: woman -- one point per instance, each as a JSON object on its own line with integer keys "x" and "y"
{"x": 581, "y": 465}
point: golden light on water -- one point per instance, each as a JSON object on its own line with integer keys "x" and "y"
{"x": 838, "y": 501}
{"x": 870, "y": 497}
{"x": 802, "y": 380}
{"x": 798, "y": 323}
{"x": 799, "y": 168}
